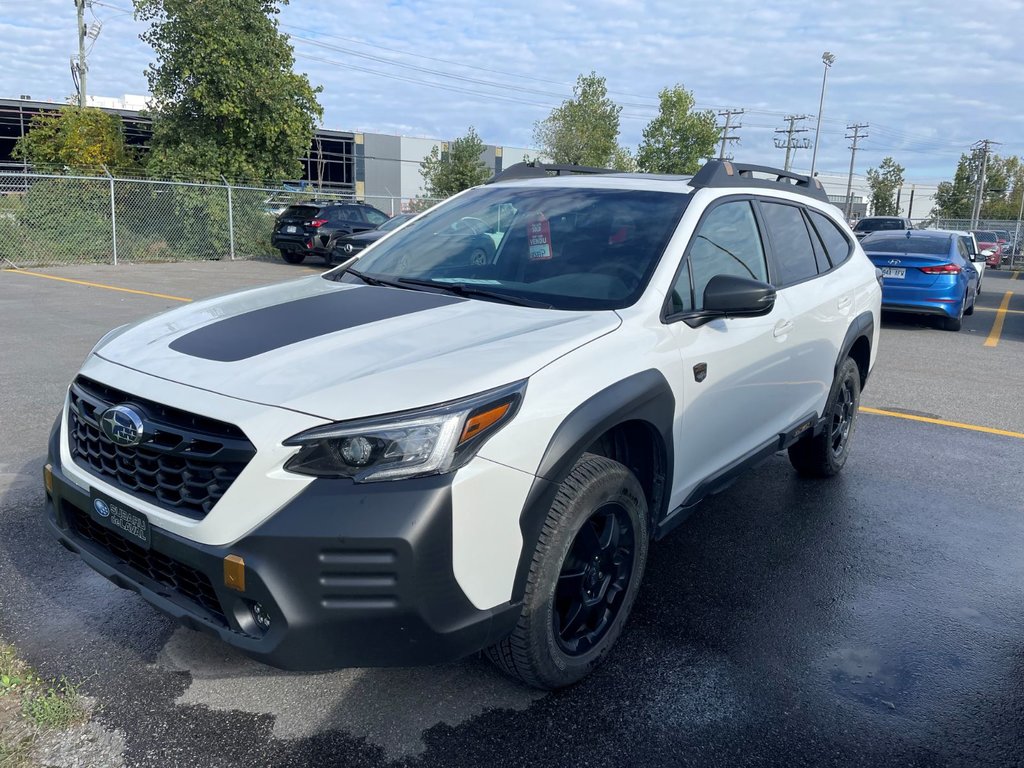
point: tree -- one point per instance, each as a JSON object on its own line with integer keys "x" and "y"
{"x": 77, "y": 138}
{"x": 457, "y": 168}
{"x": 955, "y": 199}
{"x": 583, "y": 130}
{"x": 884, "y": 182}
{"x": 623, "y": 160}
{"x": 225, "y": 98}
{"x": 678, "y": 139}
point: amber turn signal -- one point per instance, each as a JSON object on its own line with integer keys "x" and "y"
{"x": 48, "y": 478}
{"x": 234, "y": 573}
{"x": 477, "y": 424}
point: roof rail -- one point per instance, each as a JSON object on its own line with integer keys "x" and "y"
{"x": 725, "y": 173}
{"x": 538, "y": 170}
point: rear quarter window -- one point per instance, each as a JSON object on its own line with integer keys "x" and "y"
{"x": 791, "y": 243}
{"x": 836, "y": 243}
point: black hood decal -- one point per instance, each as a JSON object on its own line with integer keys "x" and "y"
{"x": 263, "y": 330}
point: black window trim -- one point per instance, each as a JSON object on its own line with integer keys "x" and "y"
{"x": 849, "y": 245}
{"x": 812, "y": 233}
{"x": 667, "y": 315}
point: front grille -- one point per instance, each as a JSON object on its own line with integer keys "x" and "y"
{"x": 186, "y": 464}
{"x": 186, "y": 581}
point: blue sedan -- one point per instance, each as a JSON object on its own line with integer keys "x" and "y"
{"x": 925, "y": 272}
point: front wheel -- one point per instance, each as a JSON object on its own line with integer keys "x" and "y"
{"x": 583, "y": 579}
{"x": 825, "y": 454}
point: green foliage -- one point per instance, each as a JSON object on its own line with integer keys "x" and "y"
{"x": 55, "y": 707}
{"x": 457, "y": 168}
{"x": 884, "y": 182}
{"x": 584, "y": 130}
{"x": 64, "y": 219}
{"x": 623, "y": 160}
{"x": 955, "y": 199}
{"x": 225, "y": 97}
{"x": 1004, "y": 184}
{"x": 678, "y": 139}
{"x": 75, "y": 138}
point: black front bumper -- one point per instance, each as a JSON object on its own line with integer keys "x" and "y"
{"x": 350, "y": 575}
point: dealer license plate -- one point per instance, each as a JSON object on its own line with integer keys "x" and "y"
{"x": 897, "y": 273}
{"x": 132, "y": 525}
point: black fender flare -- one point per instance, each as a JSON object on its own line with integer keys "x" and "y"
{"x": 862, "y": 325}
{"x": 644, "y": 396}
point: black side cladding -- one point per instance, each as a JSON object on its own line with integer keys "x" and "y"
{"x": 262, "y": 330}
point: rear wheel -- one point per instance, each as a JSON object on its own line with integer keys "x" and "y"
{"x": 293, "y": 257}
{"x": 583, "y": 579}
{"x": 956, "y": 323}
{"x": 825, "y": 454}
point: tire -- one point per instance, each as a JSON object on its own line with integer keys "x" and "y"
{"x": 956, "y": 323}
{"x": 824, "y": 455}
{"x": 293, "y": 257}
{"x": 600, "y": 503}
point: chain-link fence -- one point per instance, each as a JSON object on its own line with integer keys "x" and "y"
{"x": 1011, "y": 229}
{"x": 48, "y": 220}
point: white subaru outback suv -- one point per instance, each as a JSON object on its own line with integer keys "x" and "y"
{"x": 467, "y": 438}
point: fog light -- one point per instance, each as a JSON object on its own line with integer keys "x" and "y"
{"x": 48, "y": 478}
{"x": 260, "y": 616}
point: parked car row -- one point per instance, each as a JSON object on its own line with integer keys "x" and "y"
{"x": 314, "y": 227}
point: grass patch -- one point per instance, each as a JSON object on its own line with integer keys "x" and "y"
{"x": 31, "y": 705}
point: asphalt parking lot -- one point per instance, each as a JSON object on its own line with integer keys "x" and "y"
{"x": 874, "y": 619}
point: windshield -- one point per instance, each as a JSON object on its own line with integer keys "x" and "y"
{"x": 567, "y": 248}
{"x": 929, "y": 246}
{"x": 876, "y": 225}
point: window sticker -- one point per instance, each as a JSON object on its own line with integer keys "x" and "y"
{"x": 538, "y": 236}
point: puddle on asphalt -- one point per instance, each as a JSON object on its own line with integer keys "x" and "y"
{"x": 388, "y": 707}
{"x": 866, "y": 675}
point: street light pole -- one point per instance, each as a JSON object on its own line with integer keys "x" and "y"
{"x": 828, "y": 60}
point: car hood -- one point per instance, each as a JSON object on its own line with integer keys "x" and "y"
{"x": 341, "y": 351}
{"x": 369, "y": 236}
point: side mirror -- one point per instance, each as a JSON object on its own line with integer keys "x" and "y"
{"x": 728, "y": 295}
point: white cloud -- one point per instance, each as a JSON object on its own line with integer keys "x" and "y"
{"x": 930, "y": 78}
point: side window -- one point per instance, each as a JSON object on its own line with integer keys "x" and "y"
{"x": 791, "y": 245}
{"x": 351, "y": 213}
{"x": 374, "y": 216}
{"x": 727, "y": 242}
{"x": 836, "y": 244}
{"x": 964, "y": 251}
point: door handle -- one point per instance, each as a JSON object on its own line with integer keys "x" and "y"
{"x": 845, "y": 302}
{"x": 782, "y": 328}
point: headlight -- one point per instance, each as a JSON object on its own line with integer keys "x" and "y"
{"x": 430, "y": 441}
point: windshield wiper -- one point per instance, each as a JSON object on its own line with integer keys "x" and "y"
{"x": 469, "y": 289}
{"x": 371, "y": 279}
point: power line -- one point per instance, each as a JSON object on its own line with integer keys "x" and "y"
{"x": 790, "y": 144}
{"x": 728, "y": 114}
{"x": 857, "y": 136}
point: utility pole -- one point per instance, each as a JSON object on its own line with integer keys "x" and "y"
{"x": 81, "y": 67}
{"x": 728, "y": 114}
{"x": 983, "y": 147}
{"x": 828, "y": 59}
{"x": 910, "y": 205}
{"x": 790, "y": 143}
{"x": 857, "y": 136}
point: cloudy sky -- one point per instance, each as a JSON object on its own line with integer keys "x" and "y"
{"x": 930, "y": 78}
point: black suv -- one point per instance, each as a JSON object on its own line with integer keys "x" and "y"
{"x": 307, "y": 228}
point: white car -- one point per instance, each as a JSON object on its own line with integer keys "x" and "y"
{"x": 420, "y": 454}
{"x": 969, "y": 243}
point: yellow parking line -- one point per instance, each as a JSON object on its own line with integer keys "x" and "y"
{"x": 942, "y": 422}
{"x": 997, "y": 326}
{"x": 97, "y": 285}
{"x": 1015, "y": 275}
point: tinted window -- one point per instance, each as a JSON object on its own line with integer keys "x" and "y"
{"x": 791, "y": 245}
{"x": 726, "y": 243}
{"x": 836, "y": 244}
{"x": 374, "y": 216}
{"x": 300, "y": 212}
{"x": 571, "y": 248}
{"x": 351, "y": 213}
{"x": 923, "y": 245}
{"x": 963, "y": 248}
{"x": 878, "y": 225}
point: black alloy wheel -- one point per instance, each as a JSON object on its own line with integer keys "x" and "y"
{"x": 842, "y": 418}
{"x": 594, "y": 579}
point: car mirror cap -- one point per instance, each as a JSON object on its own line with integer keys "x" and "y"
{"x": 730, "y": 295}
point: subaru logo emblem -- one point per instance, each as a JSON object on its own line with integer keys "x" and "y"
{"x": 101, "y": 507}
{"x": 123, "y": 425}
